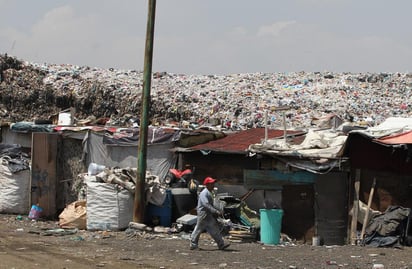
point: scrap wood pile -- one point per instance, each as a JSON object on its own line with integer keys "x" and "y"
{"x": 32, "y": 91}
{"x": 240, "y": 236}
{"x": 123, "y": 178}
{"x": 239, "y": 222}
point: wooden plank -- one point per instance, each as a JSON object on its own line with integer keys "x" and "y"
{"x": 237, "y": 232}
{"x": 365, "y": 219}
{"x": 355, "y": 210}
{"x": 44, "y": 172}
{"x": 274, "y": 180}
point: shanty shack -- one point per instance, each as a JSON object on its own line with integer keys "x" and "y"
{"x": 309, "y": 183}
{"x": 382, "y": 155}
{"x": 313, "y": 178}
{"x": 60, "y": 153}
{"x": 226, "y": 159}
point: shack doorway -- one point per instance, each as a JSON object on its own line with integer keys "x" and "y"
{"x": 299, "y": 214}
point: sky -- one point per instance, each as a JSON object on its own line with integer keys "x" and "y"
{"x": 213, "y": 36}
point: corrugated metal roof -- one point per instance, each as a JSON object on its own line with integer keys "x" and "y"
{"x": 240, "y": 141}
{"x": 404, "y": 138}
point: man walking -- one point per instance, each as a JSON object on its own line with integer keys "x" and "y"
{"x": 207, "y": 217}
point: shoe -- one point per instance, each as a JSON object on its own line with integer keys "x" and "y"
{"x": 224, "y": 246}
{"x": 194, "y": 247}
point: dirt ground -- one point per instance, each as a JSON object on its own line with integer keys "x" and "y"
{"x": 40, "y": 244}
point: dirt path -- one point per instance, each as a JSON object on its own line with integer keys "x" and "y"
{"x": 24, "y": 244}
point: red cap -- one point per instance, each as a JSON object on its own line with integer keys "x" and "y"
{"x": 209, "y": 180}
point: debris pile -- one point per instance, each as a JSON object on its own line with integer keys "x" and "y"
{"x": 32, "y": 91}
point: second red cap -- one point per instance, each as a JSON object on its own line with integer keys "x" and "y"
{"x": 209, "y": 180}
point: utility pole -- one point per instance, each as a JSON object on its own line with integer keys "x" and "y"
{"x": 139, "y": 196}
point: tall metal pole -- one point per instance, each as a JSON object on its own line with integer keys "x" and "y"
{"x": 139, "y": 197}
{"x": 266, "y": 127}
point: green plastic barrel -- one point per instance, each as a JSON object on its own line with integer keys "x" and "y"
{"x": 270, "y": 225}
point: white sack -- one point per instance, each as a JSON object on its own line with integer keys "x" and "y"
{"x": 108, "y": 208}
{"x": 14, "y": 190}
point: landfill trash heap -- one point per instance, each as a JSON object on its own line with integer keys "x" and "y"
{"x": 31, "y": 91}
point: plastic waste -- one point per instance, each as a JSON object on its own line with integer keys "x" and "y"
{"x": 94, "y": 169}
{"x": 35, "y": 212}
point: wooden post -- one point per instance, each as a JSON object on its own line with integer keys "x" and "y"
{"x": 266, "y": 127}
{"x": 365, "y": 220}
{"x": 139, "y": 196}
{"x": 284, "y": 127}
{"x": 355, "y": 209}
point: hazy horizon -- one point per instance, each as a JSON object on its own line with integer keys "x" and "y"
{"x": 213, "y": 37}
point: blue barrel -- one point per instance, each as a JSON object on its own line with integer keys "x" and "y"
{"x": 160, "y": 215}
{"x": 270, "y": 225}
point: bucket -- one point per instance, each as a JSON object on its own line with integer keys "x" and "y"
{"x": 316, "y": 241}
{"x": 65, "y": 118}
{"x": 35, "y": 212}
{"x": 270, "y": 225}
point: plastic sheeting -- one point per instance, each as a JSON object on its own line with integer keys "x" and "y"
{"x": 320, "y": 144}
{"x": 28, "y": 127}
{"x": 159, "y": 157}
{"x": 130, "y": 136}
{"x": 394, "y": 130}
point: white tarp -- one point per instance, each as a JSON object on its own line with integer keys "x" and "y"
{"x": 159, "y": 157}
{"x": 317, "y": 143}
{"x": 108, "y": 207}
{"x": 390, "y": 126}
